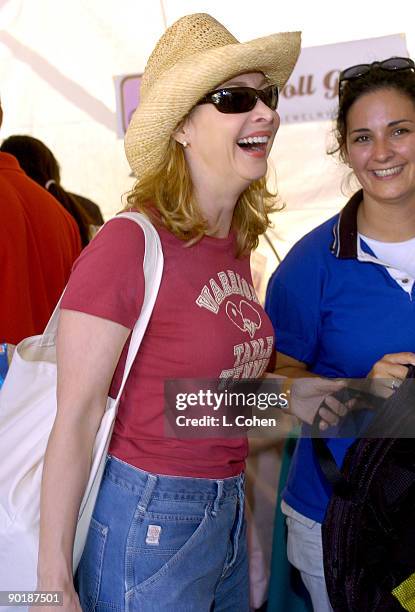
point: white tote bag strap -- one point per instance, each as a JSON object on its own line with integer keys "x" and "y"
{"x": 153, "y": 269}
{"x": 51, "y": 329}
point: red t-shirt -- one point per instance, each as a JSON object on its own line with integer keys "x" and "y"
{"x": 39, "y": 241}
{"x": 196, "y": 330}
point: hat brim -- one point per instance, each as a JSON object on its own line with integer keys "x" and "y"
{"x": 177, "y": 91}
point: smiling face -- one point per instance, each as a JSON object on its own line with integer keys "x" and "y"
{"x": 229, "y": 150}
{"x": 380, "y": 145}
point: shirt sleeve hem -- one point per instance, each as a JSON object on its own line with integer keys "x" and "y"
{"x": 101, "y": 313}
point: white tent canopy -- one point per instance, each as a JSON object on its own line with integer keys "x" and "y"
{"x": 58, "y": 60}
{"x": 57, "y": 63}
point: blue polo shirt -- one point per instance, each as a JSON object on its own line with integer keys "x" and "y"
{"x": 339, "y": 312}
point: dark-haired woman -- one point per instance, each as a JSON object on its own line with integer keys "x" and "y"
{"x": 38, "y": 162}
{"x": 342, "y": 302}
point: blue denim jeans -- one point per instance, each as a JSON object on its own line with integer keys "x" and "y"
{"x": 165, "y": 544}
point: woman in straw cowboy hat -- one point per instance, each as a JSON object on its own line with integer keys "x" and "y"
{"x": 168, "y": 528}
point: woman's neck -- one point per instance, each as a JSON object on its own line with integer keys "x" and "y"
{"x": 386, "y": 221}
{"x": 217, "y": 208}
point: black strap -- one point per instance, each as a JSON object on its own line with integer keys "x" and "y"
{"x": 329, "y": 466}
{"x": 328, "y": 463}
{"x": 324, "y": 455}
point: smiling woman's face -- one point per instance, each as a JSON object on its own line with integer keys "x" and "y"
{"x": 380, "y": 145}
{"x": 213, "y": 139}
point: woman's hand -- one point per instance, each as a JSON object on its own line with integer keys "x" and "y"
{"x": 309, "y": 396}
{"x": 70, "y": 601}
{"x": 388, "y": 373}
{"x": 306, "y": 395}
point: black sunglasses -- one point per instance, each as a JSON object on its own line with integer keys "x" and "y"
{"x": 241, "y": 99}
{"x": 393, "y": 64}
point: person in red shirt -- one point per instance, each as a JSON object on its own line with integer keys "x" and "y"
{"x": 168, "y": 528}
{"x": 39, "y": 241}
{"x": 38, "y": 162}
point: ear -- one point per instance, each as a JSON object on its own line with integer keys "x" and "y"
{"x": 180, "y": 133}
{"x": 345, "y": 155}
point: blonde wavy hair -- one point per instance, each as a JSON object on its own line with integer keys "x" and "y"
{"x": 167, "y": 194}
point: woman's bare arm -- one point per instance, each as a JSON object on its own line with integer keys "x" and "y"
{"x": 290, "y": 367}
{"x": 88, "y": 350}
{"x": 307, "y": 392}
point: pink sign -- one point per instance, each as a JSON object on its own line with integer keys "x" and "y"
{"x": 128, "y": 98}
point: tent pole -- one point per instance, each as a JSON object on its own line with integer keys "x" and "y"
{"x": 163, "y": 14}
{"x": 272, "y": 247}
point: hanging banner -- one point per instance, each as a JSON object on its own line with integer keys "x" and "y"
{"x": 127, "y": 92}
{"x": 311, "y": 92}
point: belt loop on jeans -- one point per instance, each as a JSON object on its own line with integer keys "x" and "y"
{"x": 147, "y": 493}
{"x": 218, "y": 496}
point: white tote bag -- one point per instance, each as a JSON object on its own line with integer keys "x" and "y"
{"x": 27, "y": 413}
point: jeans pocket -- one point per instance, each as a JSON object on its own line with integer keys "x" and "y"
{"x": 304, "y": 547}
{"x": 88, "y": 577}
{"x": 157, "y": 543}
{"x": 289, "y": 512}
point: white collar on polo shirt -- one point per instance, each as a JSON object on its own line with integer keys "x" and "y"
{"x": 397, "y": 257}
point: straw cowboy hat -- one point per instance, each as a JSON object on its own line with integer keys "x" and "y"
{"x": 193, "y": 56}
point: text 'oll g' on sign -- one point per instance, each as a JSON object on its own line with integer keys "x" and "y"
{"x": 311, "y": 92}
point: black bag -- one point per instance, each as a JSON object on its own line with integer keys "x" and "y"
{"x": 368, "y": 531}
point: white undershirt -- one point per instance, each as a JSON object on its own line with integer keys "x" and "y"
{"x": 398, "y": 258}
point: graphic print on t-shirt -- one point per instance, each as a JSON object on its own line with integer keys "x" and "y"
{"x": 251, "y": 356}
{"x": 245, "y": 317}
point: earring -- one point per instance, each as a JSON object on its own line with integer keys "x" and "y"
{"x": 184, "y": 143}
